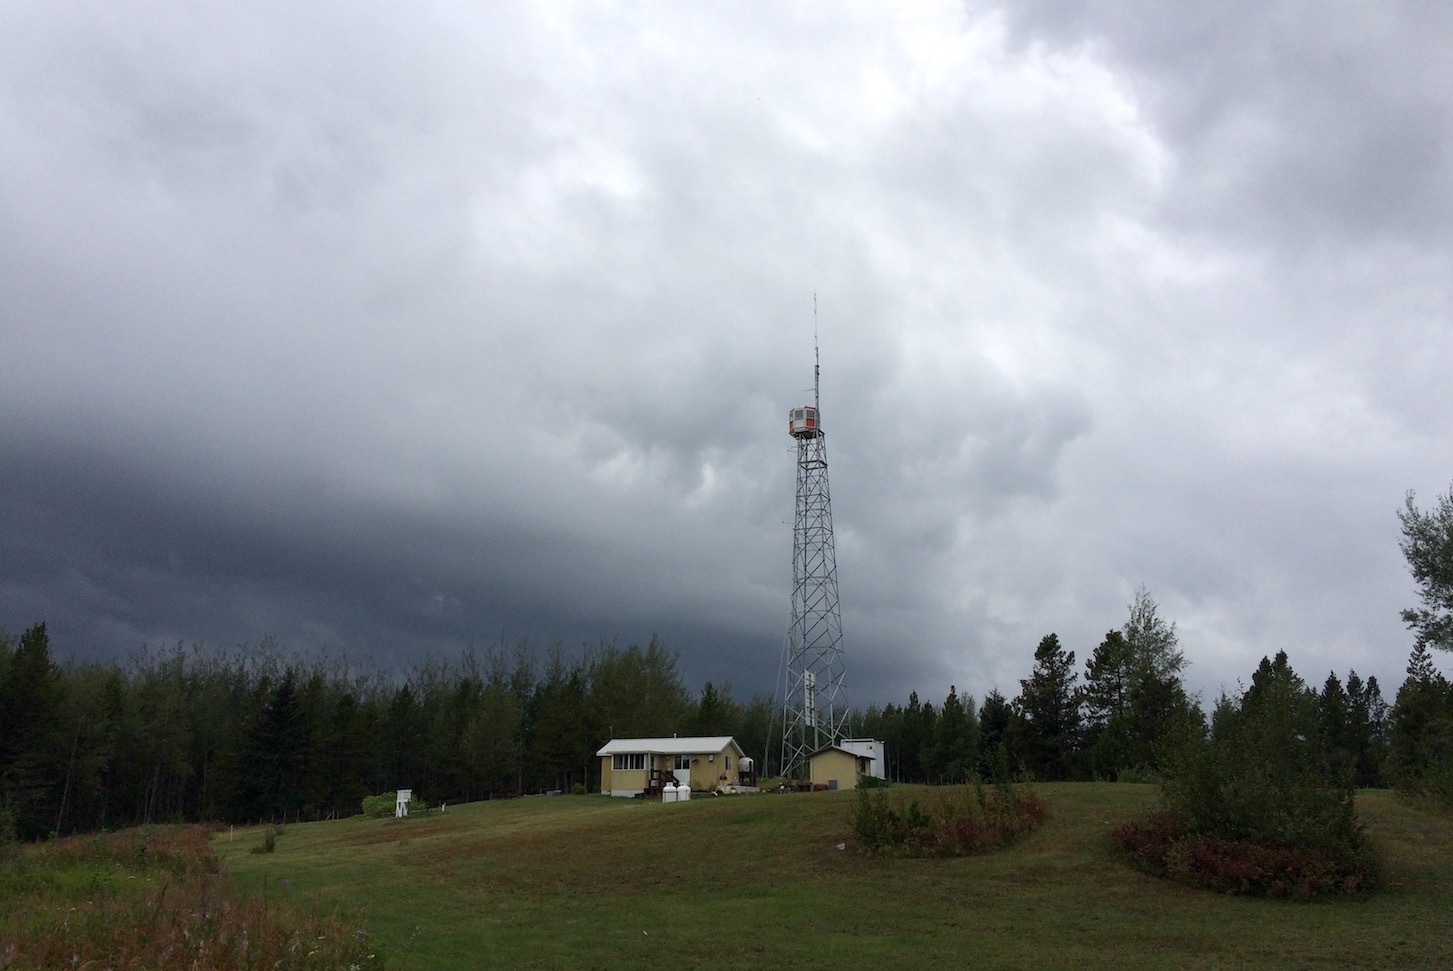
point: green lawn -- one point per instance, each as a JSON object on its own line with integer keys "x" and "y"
{"x": 590, "y": 881}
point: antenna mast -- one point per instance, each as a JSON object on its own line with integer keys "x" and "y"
{"x": 816, "y": 360}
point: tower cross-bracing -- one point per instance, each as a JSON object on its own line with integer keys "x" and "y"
{"x": 814, "y": 707}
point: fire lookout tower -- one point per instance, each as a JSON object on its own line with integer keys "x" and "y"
{"x": 814, "y": 707}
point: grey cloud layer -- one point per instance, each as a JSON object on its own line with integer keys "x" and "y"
{"x": 383, "y": 334}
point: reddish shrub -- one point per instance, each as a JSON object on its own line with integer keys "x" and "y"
{"x": 1148, "y": 841}
{"x": 1160, "y": 843}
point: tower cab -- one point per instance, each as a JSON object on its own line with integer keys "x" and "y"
{"x": 803, "y": 422}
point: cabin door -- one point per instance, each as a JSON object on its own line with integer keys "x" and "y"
{"x": 681, "y": 768}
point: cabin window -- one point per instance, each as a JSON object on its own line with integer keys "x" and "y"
{"x": 728, "y": 763}
{"x": 627, "y": 762}
{"x": 682, "y": 762}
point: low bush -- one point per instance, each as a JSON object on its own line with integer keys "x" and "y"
{"x": 971, "y": 820}
{"x": 380, "y": 805}
{"x": 269, "y": 841}
{"x": 1162, "y": 844}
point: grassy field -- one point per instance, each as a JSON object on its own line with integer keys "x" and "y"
{"x": 590, "y": 881}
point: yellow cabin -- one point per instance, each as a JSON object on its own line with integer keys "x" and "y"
{"x": 642, "y": 766}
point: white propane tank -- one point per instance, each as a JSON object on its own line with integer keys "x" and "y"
{"x": 668, "y": 792}
{"x": 683, "y": 794}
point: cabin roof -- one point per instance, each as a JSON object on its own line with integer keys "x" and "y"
{"x": 688, "y": 745}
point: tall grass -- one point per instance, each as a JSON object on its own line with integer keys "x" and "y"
{"x": 156, "y": 898}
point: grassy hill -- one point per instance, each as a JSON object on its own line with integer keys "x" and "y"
{"x": 597, "y": 882}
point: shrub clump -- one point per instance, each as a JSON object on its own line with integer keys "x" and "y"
{"x": 381, "y": 805}
{"x": 973, "y": 820}
{"x": 1259, "y": 808}
{"x": 1163, "y": 844}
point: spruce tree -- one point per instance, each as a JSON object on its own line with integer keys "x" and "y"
{"x": 1420, "y": 733}
{"x": 1050, "y": 701}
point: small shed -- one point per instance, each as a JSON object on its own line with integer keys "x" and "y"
{"x": 642, "y": 766}
{"x": 839, "y": 766}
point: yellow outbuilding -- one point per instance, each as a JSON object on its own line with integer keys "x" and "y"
{"x": 838, "y": 766}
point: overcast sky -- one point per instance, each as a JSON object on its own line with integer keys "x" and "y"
{"x": 382, "y": 329}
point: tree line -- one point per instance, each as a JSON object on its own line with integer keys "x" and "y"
{"x": 191, "y": 734}
{"x": 1127, "y": 716}
{"x": 256, "y": 734}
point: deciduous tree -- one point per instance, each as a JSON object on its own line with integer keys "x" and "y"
{"x": 1428, "y": 545}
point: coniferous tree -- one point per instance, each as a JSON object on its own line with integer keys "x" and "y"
{"x": 1334, "y": 728}
{"x": 1110, "y": 674}
{"x": 1050, "y": 702}
{"x": 31, "y": 734}
{"x": 402, "y": 740}
{"x": 996, "y": 732}
{"x": 276, "y": 750}
{"x": 1420, "y": 733}
{"x": 345, "y": 763}
{"x": 913, "y": 737}
{"x": 927, "y": 730}
{"x": 1367, "y": 729}
{"x": 952, "y": 755}
{"x": 715, "y": 711}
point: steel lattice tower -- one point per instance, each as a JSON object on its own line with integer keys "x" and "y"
{"x": 814, "y": 707}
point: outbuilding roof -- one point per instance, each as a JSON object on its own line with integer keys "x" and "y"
{"x": 840, "y": 748}
{"x": 690, "y": 745}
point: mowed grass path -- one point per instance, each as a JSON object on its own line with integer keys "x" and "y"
{"x": 595, "y": 882}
